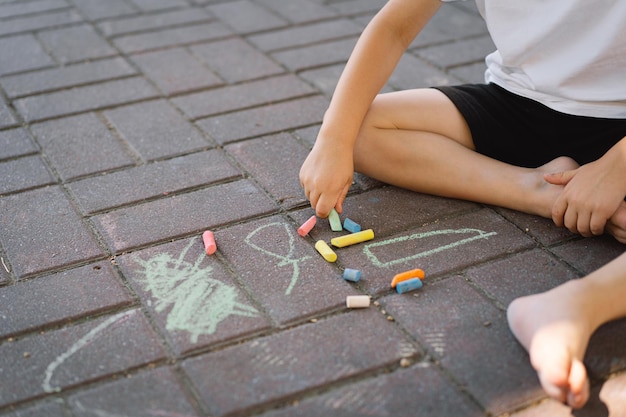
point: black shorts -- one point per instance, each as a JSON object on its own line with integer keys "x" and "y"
{"x": 523, "y": 132}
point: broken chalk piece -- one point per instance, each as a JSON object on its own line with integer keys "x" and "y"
{"x": 209, "y": 242}
{"x": 353, "y": 275}
{"x": 325, "y": 250}
{"x": 351, "y": 226}
{"x": 335, "y": 221}
{"x": 403, "y": 276}
{"x": 352, "y": 238}
{"x": 409, "y": 285}
{"x": 357, "y": 301}
{"x": 307, "y": 226}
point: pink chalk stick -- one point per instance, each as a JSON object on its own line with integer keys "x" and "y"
{"x": 209, "y": 242}
{"x": 307, "y": 226}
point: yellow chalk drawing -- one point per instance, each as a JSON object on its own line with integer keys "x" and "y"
{"x": 284, "y": 260}
{"x": 197, "y": 303}
{"x": 478, "y": 234}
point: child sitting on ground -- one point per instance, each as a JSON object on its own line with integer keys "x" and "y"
{"x": 545, "y": 135}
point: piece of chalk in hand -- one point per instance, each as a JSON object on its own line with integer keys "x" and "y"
{"x": 353, "y": 275}
{"x": 335, "y": 221}
{"x": 307, "y": 226}
{"x": 358, "y": 301}
{"x": 409, "y": 285}
{"x": 352, "y": 238}
{"x": 325, "y": 250}
{"x": 351, "y": 226}
{"x": 209, "y": 242}
{"x": 403, "y": 276}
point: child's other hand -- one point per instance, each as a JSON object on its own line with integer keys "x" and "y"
{"x": 592, "y": 195}
{"x": 326, "y": 176}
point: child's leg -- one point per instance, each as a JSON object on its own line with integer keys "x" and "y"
{"x": 418, "y": 140}
{"x": 555, "y": 327}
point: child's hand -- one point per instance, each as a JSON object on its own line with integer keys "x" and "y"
{"x": 592, "y": 195}
{"x": 326, "y": 176}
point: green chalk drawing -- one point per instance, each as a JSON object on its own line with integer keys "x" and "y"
{"x": 197, "y": 302}
{"x": 78, "y": 345}
{"x": 284, "y": 260}
{"x": 479, "y": 234}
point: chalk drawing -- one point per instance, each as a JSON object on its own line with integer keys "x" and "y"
{"x": 197, "y": 303}
{"x": 81, "y": 343}
{"x": 284, "y": 260}
{"x": 478, "y": 234}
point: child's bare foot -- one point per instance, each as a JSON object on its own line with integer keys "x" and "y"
{"x": 543, "y": 193}
{"x": 555, "y": 328}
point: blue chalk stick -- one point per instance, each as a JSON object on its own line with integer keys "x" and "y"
{"x": 351, "y": 275}
{"x": 351, "y": 226}
{"x": 409, "y": 285}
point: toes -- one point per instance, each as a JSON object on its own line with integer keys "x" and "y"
{"x": 578, "y": 385}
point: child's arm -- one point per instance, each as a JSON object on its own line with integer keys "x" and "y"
{"x": 593, "y": 193}
{"x": 326, "y": 174}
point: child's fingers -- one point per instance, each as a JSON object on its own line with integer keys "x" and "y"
{"x": 559, "y": 178}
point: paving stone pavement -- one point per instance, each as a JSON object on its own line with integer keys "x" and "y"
{"x": 128, "y": 127}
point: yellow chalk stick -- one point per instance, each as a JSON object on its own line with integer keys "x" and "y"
{"x": 325, "y": 250}
{"x": 352, "y": 238}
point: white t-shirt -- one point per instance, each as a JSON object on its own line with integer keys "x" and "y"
{"x": 569, "y": 55}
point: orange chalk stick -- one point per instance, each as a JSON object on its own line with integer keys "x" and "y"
{"x": 403, "y": 276}
{"x": 209, "y": 242}
{"x": 307, "y": 226}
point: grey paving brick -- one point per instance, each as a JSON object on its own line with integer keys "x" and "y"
{"x": 457, "y": 53}
{"x": 192, "y": 297}
{"x": 298, "y": 11}
{"x": 7, "y": 118}
{"x": 437, "y": 248}
{"x": 68, "y": 357}
{"x": 175, "y": 71}
{"x": 161, "y": 20}
{"x": 317, "y": 55}
{"x": 450, "y": 23}
{"x": 244, "y": 16}
{"x": 271, "y": 251}
{"x": 305, "y": 34}
{"x": 150, "y": 5}
{"x": 235, "y": 60}
{"x": 83, "y": 99}
{"x": 156, "y": 130}
{"x": 274, "y": 162}
{"x": 60, "y": 298}
{"x": 182, "y": 214}
{"x": 39, "y": 6}
{"x": 472, "y": 73}
{"x": 51, "y": 408}
{"x": 172, "y": 37}
{"x": 605, "y": 354}
{"x": 325, "y": 78}
{"x": 41, "y": 231}
{"x": 75, "y": 43}
{"x": 40, "y": 21}
{"x": 355, "y": 7}
{"x": 413, "y": 72}
{"x": 23, "y": 173}
{"x": 421, "y": 391}
{"x": 22, "y": 52}
{"x": 264, "y": 120}
{"x": 471, "y": 340}
{"x": 81, "y": 145}
{"x": 156, "y": 392}
{"x": 541, "y": 229}
{"x": 97, "y": 9}
{"x": 319, "y": 353}
{"x": 66, "y": 76}
{"x": 152, "y": 180}
{"x": 240, "y": 96}
{"x": 587, "y": 255}
{"x": 521, "y": 274}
